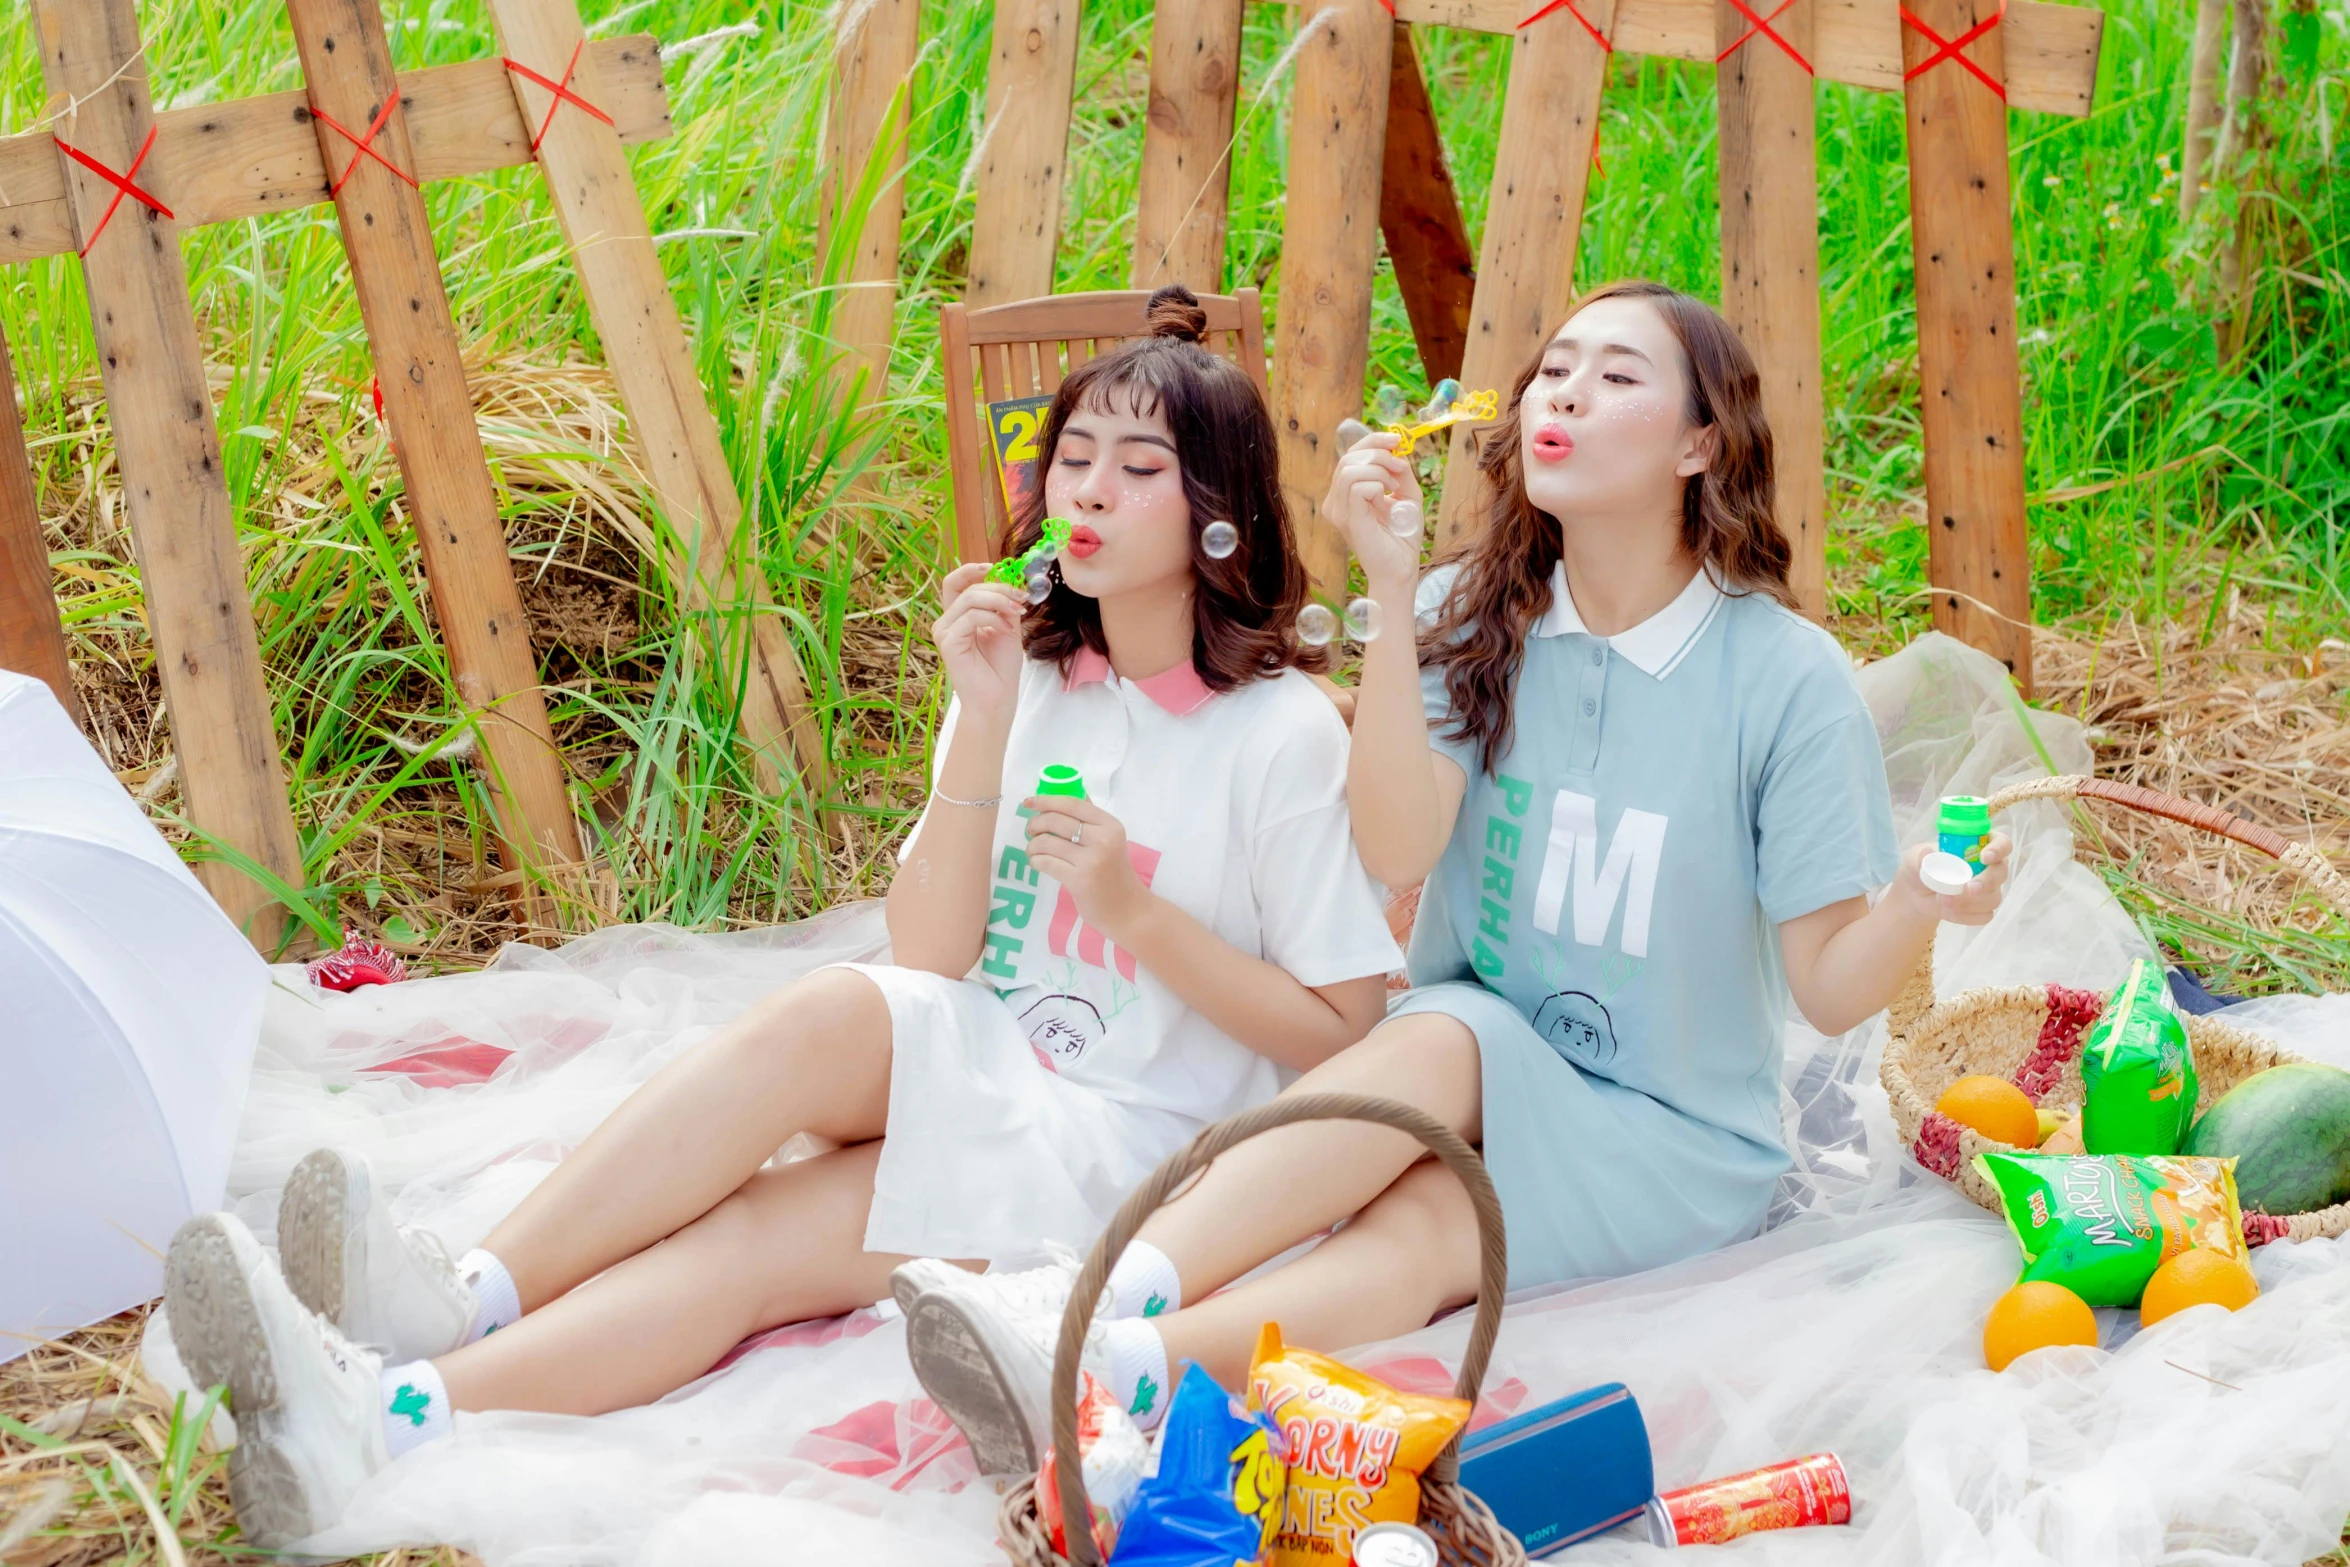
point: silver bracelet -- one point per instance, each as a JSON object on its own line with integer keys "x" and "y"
{"x": 990, "y": 803}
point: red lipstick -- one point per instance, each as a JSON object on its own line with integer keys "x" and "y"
{"x": 1552, "y": 443}
{"x": 1083, "y": 541}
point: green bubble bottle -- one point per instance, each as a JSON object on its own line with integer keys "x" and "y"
{"x": 1058, "y": 779}
{"x": 1963, "y": 825}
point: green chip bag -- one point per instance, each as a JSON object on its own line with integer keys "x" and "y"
{"x": 2101, "y": 1226}
{"x": 2138, "y": 1069}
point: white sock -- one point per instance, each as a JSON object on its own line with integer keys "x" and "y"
{"x": 1143, "y": 1283}
{"x": 1138, "y": 1369}
{"x": 416, "y": 1406}
{"x": 495, "y": 1303}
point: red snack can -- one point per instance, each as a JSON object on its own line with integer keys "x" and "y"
{"x": 1394, "y": 1545}
{"x": 1779, "y": 1496}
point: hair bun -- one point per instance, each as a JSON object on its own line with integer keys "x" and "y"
{"x": 1174, "y": 311}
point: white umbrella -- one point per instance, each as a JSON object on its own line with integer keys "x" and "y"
{"x": 129, "y": 1009}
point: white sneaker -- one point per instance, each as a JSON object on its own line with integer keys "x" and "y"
{"x": 392, "y": 1289}
{"x": 308, "y": 1404}
{"x": 983, "y": 1344}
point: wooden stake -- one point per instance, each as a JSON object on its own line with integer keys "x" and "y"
{"x": 1960, "y": 223}
{"x": 1533, "y": 221}
{"x": 32, "y": 635}
{"x": 1024, "y": 144}
{"x": 872, "y": 59}
{"x": 168, "y": 449}
{"x": 430, "y": 410}
{"x": 1186, "y": 186}
{"x": 1322, "y": 337}
{"x": 1420, "y": 216}
{"x": 628, "y": 297}
{"x": 2204, "y": 63}
{"x": 1771, "y": 259}
{"x": 250, "y": 157}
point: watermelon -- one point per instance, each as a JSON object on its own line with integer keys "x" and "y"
{"x": 2288, "y": 1129}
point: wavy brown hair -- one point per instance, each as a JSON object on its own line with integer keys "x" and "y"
{"x": 1244, "y": 615}
{"x": 1728, "y": 523}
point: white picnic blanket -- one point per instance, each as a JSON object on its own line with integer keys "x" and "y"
{"x": 1852, "y": 1325}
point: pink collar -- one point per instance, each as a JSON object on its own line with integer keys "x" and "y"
{"x": 1179, "y": 690}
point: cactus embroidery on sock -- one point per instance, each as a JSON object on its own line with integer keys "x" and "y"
{"x": 412, "y": 1403}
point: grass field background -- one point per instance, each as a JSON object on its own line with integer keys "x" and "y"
{"x": 2220, "y": 482}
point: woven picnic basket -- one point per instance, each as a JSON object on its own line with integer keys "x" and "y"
{"x": 2031, "y": 1034}
{"x": 1463, "y": 1527}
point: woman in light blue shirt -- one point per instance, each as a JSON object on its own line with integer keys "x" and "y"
{"x": 1649, "y": 808}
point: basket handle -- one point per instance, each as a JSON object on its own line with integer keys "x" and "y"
{"x": 1148, "y": 1198}
{"x": 2312, "y": 867}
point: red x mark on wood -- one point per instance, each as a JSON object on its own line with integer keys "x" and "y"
{"x": 365, "y": 144}
{"x": 1762, "y": 25}
{"x": 1573, "y": 10}
{"x": 563, "y": 93}
{"x": 122, "y": 184}
{"x": 1948, "y": 48}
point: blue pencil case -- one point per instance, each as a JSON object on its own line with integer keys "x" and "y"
{"x": 1566, "y": 1471}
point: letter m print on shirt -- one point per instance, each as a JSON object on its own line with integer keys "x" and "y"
{"x": 1627, "y": 873}
{"x": 1089, "y": 945}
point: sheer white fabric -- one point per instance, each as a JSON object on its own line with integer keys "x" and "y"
{"x": 1853, "y": 1324}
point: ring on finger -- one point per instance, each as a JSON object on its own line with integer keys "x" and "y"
{"x": 1077, "y": 835}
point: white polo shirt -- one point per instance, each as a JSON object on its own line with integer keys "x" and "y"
{"x": 1234, "y": 806}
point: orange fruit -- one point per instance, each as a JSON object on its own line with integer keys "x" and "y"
{"x": 2034, "y": 1316}
{"x": 2197, "y": 1276}
{"x": 1993, "y": 1106}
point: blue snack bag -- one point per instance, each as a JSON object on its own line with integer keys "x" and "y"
{"x": 1216, "y": 1498}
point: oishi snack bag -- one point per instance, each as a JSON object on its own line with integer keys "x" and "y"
{"x": 2138, "y": 1069}
{"x": 2101, "y": 1226}
{"x": 1216, "y": 1495}
{"x": 1113, "y": 1455}
{"x": 1356, "y": 1448}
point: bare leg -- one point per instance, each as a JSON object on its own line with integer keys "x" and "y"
{"x": 1323, "y": 1170}
{"x": 789, "y": 1245}
{"x": 1409, "y": 1255}
{"x": 813, "y": 1057}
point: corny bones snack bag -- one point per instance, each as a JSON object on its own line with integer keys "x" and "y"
{"x": 1356, "y": 1449}
{"x": 2101, "y": 1226}
{"x": 2138, "y": 1070}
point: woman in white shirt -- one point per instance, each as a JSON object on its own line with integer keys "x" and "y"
{"x": 1078, "y": 986}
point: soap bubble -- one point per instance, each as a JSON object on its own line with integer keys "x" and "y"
{"x": 1040, "y": 585}
{"x": 1447, "y": 393}
{"x": 1388, "y": 403}
{"x": 1316, "y": 625}
{"x": 1362, "y": 619}
{"x": 1351, "y": 433}
{"x": 1407, "y": 521}
{"x": 1218, "y": 540}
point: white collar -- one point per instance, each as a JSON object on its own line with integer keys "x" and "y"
{"x": 1657, "y": 645}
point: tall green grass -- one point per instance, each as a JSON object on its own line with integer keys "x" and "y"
{"x": 2230, "y": 474}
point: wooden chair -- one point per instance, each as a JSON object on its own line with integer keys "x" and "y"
{"x": 1024, "y": 349}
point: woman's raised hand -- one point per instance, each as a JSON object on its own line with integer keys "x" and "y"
{"x": 1370, "y": 483}
{"x": 978, "y": 635}
{"x": 1083, "y": 847}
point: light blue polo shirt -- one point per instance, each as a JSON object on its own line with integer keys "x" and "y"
{"x": 1669, "y": 796}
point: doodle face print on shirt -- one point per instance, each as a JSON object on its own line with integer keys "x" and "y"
{"x": 1061, "y": 1028}
{"x": 1578, "y": 1027}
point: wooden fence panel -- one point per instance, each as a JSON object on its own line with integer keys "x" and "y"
{"x": 1420, "y": 216}
{"x": 1184, "y": 195}
{"x": 363, "y": 138}
{"x": 1533, "y": 221}
{"x": 167, "y": 447}
{"x": 1962, "y": 235}
{"x": 1016, "y": 223}
{"x": 669, "y": 418}
{"x": 872, "y": 60}
{"x": 1771, "y": 256}
{"x": 1322, "y": 336}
